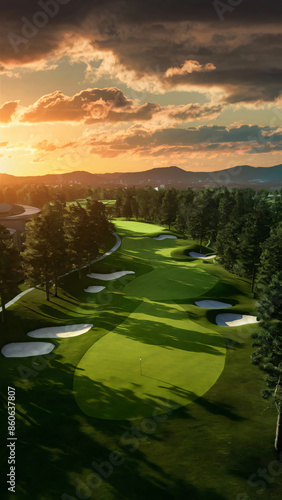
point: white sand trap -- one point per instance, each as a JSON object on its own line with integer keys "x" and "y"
{"x": 59, "y": 332}
{"x": 212, "y": 304}
{"x": 26, "y": 349}
{"x": 201, "y": 255}
{"x": 235, "y": 319}
{"x": 165, "y": 237}
{"x": 109, "y": 277}
{"x": 94, "y": 289}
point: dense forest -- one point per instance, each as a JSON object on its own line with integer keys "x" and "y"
{"x": 242, "y": 226}
{"x": 39, "y": 195}
{"x": 60, "y": 239}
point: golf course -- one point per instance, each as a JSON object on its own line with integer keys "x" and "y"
{"x": 139, "y": 368}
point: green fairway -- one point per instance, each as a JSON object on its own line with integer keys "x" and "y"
{"x": 205, "y": 450}
{"x": 138, "y": 228}
{"x": 173, "y": 348}
{"x": 173, "y": 351}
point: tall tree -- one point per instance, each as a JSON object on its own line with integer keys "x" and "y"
{"x": 271, "y": 256}
{"x": 169, "y": 207}
{"x": 78, "y": 236}
{"x": 44, "y": 256}
{"x": 9, "y": 260}
{"x": 268, "y": 341}
{"x": 98, "y": 229}
{"x": 255, "y": 231}
{"x": 126, "y": 208}
{"x": 184, "y": 202}
{"x": 201, "y": 216}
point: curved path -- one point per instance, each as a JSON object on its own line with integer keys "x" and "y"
{"x": 113, "y": 249}
{"x": 28, "y": 212}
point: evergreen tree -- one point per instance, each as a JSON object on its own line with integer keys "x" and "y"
{"x": 126, "y": 209}
{"x": 169, "y": 207}
{"x": 185, "y": 202}
{"x": 98, "y": 228}
{"x": 227, "y": 245}
{"x": 201, "y": 216}
{"x": 44, "y": 256}
{"x": 255, "y": 231}
{"x": 79, "y": 239}
{"x": 268, "y": 341}
{"x": 9, "y": 260}
{"x": 271, "y": 256}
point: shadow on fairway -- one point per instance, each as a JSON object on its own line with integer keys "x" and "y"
{"x": 57, "y": 445}
{"x": 169, "y": 337}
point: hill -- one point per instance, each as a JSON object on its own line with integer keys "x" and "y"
{"x": 239, "y": 176}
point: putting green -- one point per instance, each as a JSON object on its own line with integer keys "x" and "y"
{"x": 180, "y": 362}
{"x": 181, "y": 359}
{"x": 138, "y": 228}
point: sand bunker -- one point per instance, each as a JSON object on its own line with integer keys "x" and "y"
{"x": 94, "y": 289}
{"x": 165, "y": 236}
{"x": 109, "y": 277}
{"x": 26, "y": 349}
{"x": 235, "y": 319}
{"x": 201, "y": 255}
{"x": 212, "y": 304}
{"x": 59, "y": 332}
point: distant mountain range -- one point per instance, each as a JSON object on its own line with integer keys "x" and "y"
{"x": 240, "y": 176}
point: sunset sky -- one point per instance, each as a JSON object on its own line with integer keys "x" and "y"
{"x": 126, "y": 85}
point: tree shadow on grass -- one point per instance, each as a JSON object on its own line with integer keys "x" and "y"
{"x": 56, "y": 451}
{"x": 169, "y": 337}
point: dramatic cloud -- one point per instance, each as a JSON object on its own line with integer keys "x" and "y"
{"x": 7, "y": 111}
{"x": 203, "y": 140}
{"x": 232, "y": 47}
{"x": 189, "y": 67}
{"x": 108, "y": 105}
{"x": 89, "y": 106}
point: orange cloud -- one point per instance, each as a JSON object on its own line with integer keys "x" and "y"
{"x": 89, "y": 106}
{"x": 189, "y": 67}
{"x": 7, "y": 111}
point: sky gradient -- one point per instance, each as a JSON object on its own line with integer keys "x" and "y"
{"x": 128, "y": 85}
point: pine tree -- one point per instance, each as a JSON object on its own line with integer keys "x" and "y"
{"x": 126, "y": 209}
{"x": 268, "y": 341}
{"x": 201, "y": 216}
{"x": 78, "y": 236}
{"x": 44, "y": 256}
{"x": 98, "y": 228}
{"x": 271, "y": 256}
{"x": 169, "y": 207}
{"x": 255, "y": 231}
{"x": 9, "y": 260}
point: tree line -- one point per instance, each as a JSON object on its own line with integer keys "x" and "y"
{"x": 57, "y": 241}
{"x": 243, "y": 226}
{"x": 39, "y": 194}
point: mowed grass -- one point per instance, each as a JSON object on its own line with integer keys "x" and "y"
{"x": 209, "y": 450}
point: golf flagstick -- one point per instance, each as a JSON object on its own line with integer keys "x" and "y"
{"x": 140, "y": 365}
